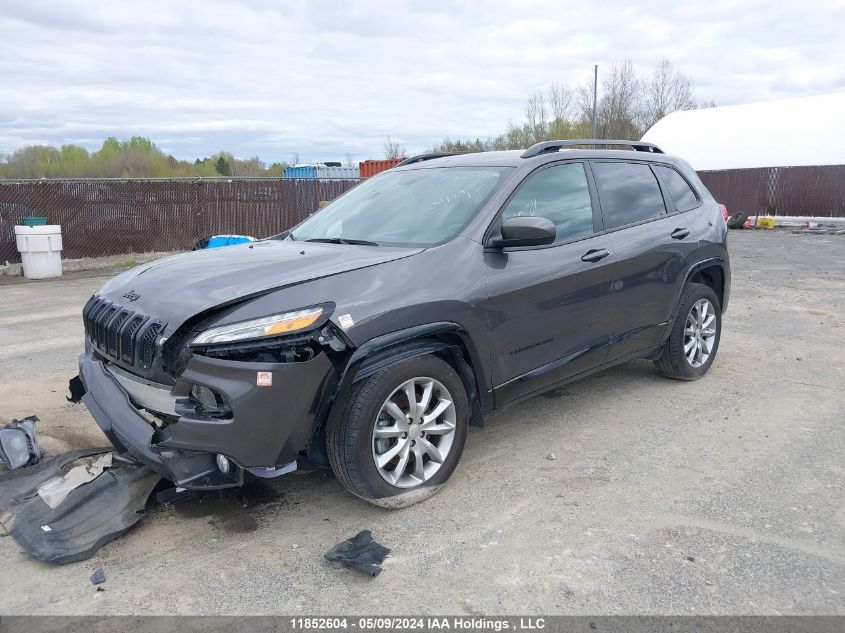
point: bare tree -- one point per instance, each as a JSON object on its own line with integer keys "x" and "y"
{"x": 349, "y": 161}
{"x": 536, "y": 117}
{"x": 583, "y": 106}
{"x": 393, "y": 149}
{"x": 666, "y": 90}
{"x": 515, "y": 137}
{"x": 294, "y": 158}
{"x": 562, "y": 105}
{"x": 561, "y": 102}
{"x": 619, "y": 108}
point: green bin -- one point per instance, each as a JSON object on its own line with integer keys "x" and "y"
{"x": 34, "y": 220}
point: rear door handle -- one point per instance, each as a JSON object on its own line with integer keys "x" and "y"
{"x": 594, "y": 255}
{"x": 679, "y": 234}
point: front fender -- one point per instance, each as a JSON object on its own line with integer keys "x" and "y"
{"x": 446, "y": 339}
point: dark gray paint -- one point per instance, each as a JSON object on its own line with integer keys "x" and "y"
{"x": 524, "y": 318}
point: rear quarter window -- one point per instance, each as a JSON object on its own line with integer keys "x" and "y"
{"x": 679, "y": 189}
{"x": 629, "y": 193}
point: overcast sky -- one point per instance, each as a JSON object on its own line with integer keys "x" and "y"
{"x": 268, "y": 77}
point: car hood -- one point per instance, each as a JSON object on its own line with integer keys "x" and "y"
{"x": 176, "y": 288}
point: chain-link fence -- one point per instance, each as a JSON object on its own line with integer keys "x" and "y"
{"x": 790, "y": 191}
{"x": 111, "y": 217}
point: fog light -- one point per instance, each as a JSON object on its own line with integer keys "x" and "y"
{"x": 223, "y": 464}
{"x": 205, "y": 396}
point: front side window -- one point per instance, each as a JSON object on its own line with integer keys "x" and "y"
{"x": 421, "y": 207}
{"x": 628, "y": 192}
{"x": 560, "y": 194}
{"x": 681, "y": 193}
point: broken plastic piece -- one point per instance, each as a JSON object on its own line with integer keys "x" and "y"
{"x": 53, "y": 491}
{"x": 273, "y": 471}
{"x": 76, "y": 389}
{"x": 360, "y": 552}
{"x": 18, "y": 444}
{"x": 174, "y": 495}
{"x": 16, "y": 486}
{"x": 90, "y": 516}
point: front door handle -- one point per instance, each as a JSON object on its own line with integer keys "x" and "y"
{"x": 679, "y": 234}
{"x": 594, "y": 255}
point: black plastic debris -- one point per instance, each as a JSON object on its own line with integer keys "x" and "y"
{"x": 88, "y": 518}
{"x": 360, "y": 552}
{"x": 98, "y": 577}
{"x": 18, "y": 444}
{"x": 17, "y": 486}
{"x": 172, "y": 496}
{"x": 76, "y": 389}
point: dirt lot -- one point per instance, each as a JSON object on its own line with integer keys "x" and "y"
{"x": 719, "y": 496}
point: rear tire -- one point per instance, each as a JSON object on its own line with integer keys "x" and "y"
{"x": 694, "y": 340}
{"x": 390, "y": 452}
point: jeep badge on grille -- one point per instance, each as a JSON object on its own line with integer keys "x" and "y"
{"x": 131, "y": 295}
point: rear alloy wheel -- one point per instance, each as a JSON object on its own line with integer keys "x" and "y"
{"x": 401, "y": 433}
{"x": 691, "y": 347}
{"x": 699, "y": 333}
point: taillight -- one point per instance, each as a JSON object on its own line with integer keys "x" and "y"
{"x": 724, "y": 211}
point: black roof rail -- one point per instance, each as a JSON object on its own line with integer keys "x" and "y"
{"x": 430, "y": 156}
{"x": 553, "y": 146}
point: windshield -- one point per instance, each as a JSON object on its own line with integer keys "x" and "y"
{"x": 421, "y": 207}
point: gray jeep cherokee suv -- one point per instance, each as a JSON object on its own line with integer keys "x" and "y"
{"x": 368, "y": 337}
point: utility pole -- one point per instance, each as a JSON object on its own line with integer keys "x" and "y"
{"x": 595, "y": 92}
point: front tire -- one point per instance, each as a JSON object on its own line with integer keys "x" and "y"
{"x": 694, "y": 340}
{"x": 401, "y": 433}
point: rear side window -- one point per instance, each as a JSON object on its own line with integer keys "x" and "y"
{"x": 560, "y": 194}
{"x": 628, "y": 192}
{"x": 682, "y": 194}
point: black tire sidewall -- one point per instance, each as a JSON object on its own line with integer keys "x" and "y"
{"x": 424, "y": 366}
{"x": 737, "y": 220}
{"x": 693, "y": 293}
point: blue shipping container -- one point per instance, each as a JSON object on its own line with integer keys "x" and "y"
{"x": 301, "y": 171}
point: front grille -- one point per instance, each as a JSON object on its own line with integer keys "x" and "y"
{"x": 148, "y": 344}
{"x": 121, "y": 333}
{"x": 127, "y": 338}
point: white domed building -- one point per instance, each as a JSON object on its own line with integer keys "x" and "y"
{"x": 784, "y": 157}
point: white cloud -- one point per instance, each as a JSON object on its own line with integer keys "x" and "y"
{"x": 327, "y": 78}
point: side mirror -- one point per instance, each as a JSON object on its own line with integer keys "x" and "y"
{"x": 525, "y": 231}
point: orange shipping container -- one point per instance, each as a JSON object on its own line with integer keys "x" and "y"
{"x": 369, "y": 168}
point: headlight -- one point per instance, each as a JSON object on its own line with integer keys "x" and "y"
{"x": 259, "y": 328}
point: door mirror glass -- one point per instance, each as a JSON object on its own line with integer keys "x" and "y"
{"x": 525, "y": 231}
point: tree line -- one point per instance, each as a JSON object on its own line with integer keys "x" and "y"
{"x": 628, "y": 104}
{"x": 137, "y": 157}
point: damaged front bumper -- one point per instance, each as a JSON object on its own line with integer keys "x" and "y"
{"x": 270, "y": 414}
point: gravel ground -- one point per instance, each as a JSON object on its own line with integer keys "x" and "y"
{"x": 723, "y": 496}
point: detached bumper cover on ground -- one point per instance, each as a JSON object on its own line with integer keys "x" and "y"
{"x": 267, "y": 428}
{"x": 89, "y": 517}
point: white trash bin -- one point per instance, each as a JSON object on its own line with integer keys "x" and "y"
{"x": 41, "y": 250}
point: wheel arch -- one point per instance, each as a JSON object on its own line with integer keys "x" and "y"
{"x": 710, "y": 274}
{"x": 447, "y": 340}
{"x": 706, "y": 270}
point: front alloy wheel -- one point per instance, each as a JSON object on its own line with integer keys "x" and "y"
{"x": 401, "y": 432}
{"x": 414, "y": 432}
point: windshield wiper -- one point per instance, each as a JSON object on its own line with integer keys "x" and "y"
{"x": 341, "y": 240}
